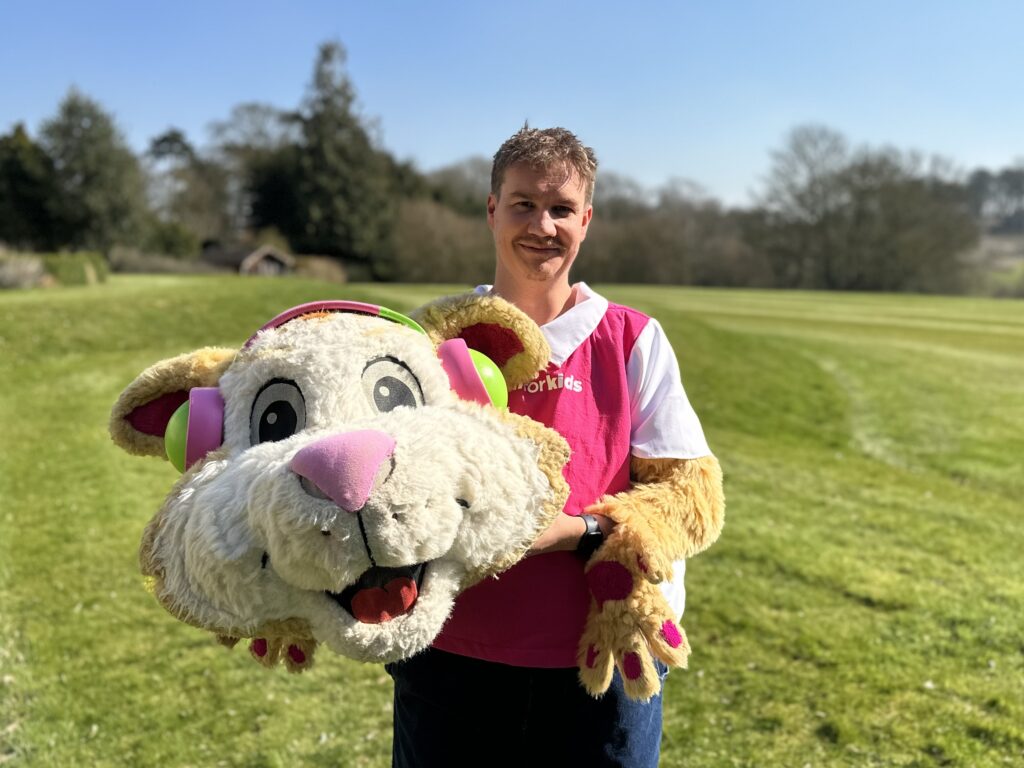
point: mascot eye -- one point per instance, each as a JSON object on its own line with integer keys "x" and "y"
{"x": 389, "y": 384}
{"x": 279, "y": 411}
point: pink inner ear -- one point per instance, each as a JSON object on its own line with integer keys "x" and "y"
{"x": 151, "y": 418}
{"x": 499, "y": 343}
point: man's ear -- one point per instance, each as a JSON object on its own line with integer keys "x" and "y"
{"x": 492, "y": 204}
{"x": 140, "y": 415}
{"x": 587, "y": 216}
{"x": 491, "y": 325}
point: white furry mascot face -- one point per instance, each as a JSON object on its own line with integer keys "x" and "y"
{"x": 350, "y": 493}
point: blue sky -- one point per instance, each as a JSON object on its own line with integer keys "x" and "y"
{"x": 697, "y": 90}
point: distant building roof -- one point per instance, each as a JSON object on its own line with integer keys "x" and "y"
{"x": 266, "y": 259}
{"x": 251, "y": 263}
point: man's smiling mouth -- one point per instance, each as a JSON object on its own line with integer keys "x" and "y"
{"x": 541, "y": 248}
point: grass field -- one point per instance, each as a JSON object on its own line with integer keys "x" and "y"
{"x": 863, "y": 607}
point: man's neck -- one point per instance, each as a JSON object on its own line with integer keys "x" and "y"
{"x": 542, "y": 303}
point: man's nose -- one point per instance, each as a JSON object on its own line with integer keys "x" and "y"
{"x": 542, "y": 224}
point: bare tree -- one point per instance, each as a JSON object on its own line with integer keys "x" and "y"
{"x": 871, "y": 219}
{"x": 801, "y": 194}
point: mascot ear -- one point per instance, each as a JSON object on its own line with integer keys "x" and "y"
{"x": 490, "y": 325}
{"x": 139, "y": 418}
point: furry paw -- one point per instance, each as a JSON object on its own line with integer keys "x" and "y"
{"x": 296, "y": 653}
{"x": 629, "y": 625}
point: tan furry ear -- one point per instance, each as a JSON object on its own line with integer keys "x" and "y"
{"x": 491, "y": 325}
{"x": 141, "y": 413}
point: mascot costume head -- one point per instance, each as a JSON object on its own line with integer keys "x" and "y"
{"x": 346, "y": 474}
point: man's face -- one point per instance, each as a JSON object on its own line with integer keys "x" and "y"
{"x": 539, "y": 219}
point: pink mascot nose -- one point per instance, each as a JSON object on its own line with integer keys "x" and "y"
{"x": 345, "y": 466}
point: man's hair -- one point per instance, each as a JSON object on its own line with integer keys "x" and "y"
{"x": 544, "y": 148}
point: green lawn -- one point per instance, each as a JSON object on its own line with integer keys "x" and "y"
{"x": 863, "y": 607}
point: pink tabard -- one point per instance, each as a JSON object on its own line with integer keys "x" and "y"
{"x": 533, "y": 614}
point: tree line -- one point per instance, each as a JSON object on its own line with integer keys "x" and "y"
{"x": 317, "y": 180}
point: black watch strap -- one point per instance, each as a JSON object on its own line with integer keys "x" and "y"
{"x": 591, "y": 539}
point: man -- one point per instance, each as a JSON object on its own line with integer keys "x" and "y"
{"x": 500, "y": 685}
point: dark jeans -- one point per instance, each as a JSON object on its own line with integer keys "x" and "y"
{"x": 453, "y": 711}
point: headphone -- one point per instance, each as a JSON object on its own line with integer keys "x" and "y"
{"x": 197, "y": 426}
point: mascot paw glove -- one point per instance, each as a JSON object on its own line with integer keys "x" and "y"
{"x": 628, "y": 626}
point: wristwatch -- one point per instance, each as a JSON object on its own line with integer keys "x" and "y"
{"x": 591, "y": 539}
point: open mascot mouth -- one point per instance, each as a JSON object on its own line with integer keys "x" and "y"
{"x": 382, "y": 594}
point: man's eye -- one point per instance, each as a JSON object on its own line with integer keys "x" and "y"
{"x": 561, "y": 211}
{"x": 389, "y": 384}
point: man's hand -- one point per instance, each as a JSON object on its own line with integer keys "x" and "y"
{"x": 564, "y": 534}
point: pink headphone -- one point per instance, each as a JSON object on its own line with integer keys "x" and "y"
{"x": 197, "y": 426}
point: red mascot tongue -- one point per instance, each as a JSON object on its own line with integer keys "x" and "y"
{"x": 376, "y": 605}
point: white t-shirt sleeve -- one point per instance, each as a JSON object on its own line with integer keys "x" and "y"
{"x": 664, "y": 424}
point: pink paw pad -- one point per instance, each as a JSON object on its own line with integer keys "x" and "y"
{"x": 671, "y": 633}
{"x": 591, "y": 656}
{"x": 296, "y": 654}
{"x": 609, "y": 581}
{"x": 259, "y": 646}
{"x": 631, "y": 666}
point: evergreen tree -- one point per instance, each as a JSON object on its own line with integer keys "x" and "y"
{"x": 345, "y": 184}
{"x": 27, "y": 186}
{"x": 100, "y": 195}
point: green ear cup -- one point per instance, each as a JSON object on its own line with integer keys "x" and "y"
{"x": 491, "y": 376}
{"x": 176, "y": 437}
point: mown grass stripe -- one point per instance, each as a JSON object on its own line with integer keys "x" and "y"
{"x": 862, "y": 607}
